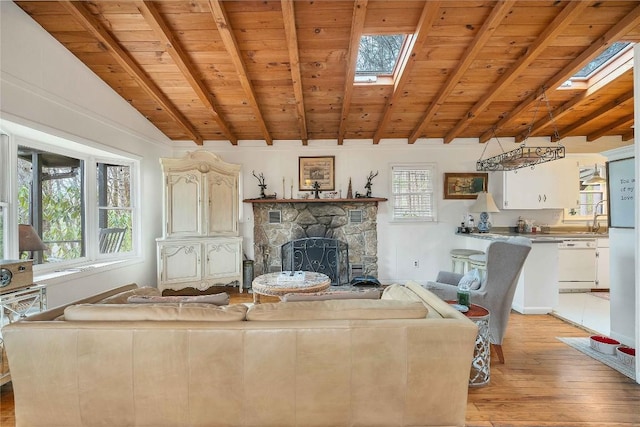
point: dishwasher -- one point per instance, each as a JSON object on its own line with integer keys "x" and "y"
{"x": 577, "y": 265}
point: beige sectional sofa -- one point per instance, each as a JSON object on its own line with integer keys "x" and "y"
{"x": 403, "y": 360}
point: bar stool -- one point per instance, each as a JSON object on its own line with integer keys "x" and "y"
{"x": 461, "y": 257}
{"x": 479, "y": 261}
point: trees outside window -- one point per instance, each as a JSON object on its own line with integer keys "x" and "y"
{"x": 52, "y": 198}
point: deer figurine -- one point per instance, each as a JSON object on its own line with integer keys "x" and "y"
{"x": 261, "y": 184}
{"x": 368, "y": 185}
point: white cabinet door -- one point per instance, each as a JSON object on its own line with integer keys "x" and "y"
{"x": 552, "y": 185}
{"x": 602, "y": 264}
{"x": 562, "y": 184}
{"x": 222, "y": 204}
{"x": 184, "y": 204}
{"x": 223, "y": 260}
{"x": 180, "y": 262}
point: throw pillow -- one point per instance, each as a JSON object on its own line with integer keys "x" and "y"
{"x": 471, "y": 278}
{"x": 217, "y": 299}
{"x": 122, "y": 297}
{"x": 323, "y": 296}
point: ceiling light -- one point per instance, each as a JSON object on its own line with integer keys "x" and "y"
{"x": 523, "y": 156}
{"x": 596, "y": 178}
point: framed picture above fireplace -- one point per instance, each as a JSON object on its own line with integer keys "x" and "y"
{"x": 317, "y": 169}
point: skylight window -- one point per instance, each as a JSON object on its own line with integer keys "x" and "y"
{"x": 378, "y": 55}
{"x": 601, "y": 60}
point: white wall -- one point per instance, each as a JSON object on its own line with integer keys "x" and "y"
{"x": 46, "y": 88}
{"x": 399, "y": 244}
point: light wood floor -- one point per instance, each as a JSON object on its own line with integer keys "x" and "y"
{"x": 543, "y": 383}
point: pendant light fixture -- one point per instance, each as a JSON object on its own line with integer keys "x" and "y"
{"x": 523, "y": 156}
{"x": 596, "y": 178}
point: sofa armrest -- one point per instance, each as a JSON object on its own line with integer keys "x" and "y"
{"x": 449, "y": 278}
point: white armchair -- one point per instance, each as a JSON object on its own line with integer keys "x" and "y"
{"x": 504, "y": 263}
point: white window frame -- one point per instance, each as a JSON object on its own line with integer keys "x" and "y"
{"x": 91, "y": 157}
{"x": 432, "y": 169}
{"x": 135, "y": 213}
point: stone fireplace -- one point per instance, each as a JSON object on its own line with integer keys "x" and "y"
{"x": 352, "y": 221}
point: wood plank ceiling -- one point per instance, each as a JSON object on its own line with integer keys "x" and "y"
{"x": 284, "y": 70}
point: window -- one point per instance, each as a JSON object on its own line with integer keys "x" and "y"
{"x": 379, "y": 55}
{"x": 601, "y": 60}
{"x": 114, "y": 208}
{"x": 75, "y": 224}
{"x": 51, "y": 198}
{"x": 412, "y": 188}
{"x": 592, "y": 196}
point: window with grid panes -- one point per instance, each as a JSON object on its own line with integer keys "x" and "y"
{"x": 412, "y": 188}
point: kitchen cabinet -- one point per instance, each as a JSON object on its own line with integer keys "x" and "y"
{"x": 537, "y": 288}
{"x": 551, "y": 185}
{"x": 602, "y": 263}
{"x": 200, "y": 246}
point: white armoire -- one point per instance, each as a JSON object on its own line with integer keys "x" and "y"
{"x": 200, "y": 246}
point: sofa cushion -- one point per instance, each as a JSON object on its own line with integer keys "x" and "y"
{"x": 217, "y": 299}
{"x": 121, "y": 298}
{"x": 155, "y": 312}
{"x": 347, "y": 309}
{"x": 471, "y": 279}
{"x": 323, "y": 296}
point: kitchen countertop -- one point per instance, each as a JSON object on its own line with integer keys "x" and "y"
{"x": 551, "y": 237}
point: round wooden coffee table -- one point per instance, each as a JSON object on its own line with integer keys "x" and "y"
{"x": 268, "y": 284}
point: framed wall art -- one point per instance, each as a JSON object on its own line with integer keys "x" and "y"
{"x": 316, "y": 169}
{"x": 464, "y": 185}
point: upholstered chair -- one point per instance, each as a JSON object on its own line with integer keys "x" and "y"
{"x": 495, "y": 293}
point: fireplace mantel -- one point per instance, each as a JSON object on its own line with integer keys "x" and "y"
{"x": 358, "y": 199}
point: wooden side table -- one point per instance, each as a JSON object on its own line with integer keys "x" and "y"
{"x": 15, "y": 305}
{"x": 481, "y": 364}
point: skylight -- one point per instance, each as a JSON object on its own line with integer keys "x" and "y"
{"x": 601, "y": 60}
{"x": 378, "y": 55}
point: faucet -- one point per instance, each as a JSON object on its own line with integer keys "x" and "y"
{"x": 595, "y": 225}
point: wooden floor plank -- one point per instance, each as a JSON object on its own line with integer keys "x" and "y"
{"x": 543, "y": 383}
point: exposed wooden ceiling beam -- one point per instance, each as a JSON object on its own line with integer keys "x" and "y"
{"x": 163, "y": 32}
{"x": 628, "y": 136}
{"x": 428, "y": 16}
{"x": 562, "y": 20}
{"x": 500, "y": 10}
{"x": 625, "y": 121}
{"x": 98, "y": 30}
{"x": 631, "y": 20}
{"x": 598, "y": 114}
{"x": 357, "y": 24}
{"x": 568, "y": 107}
{"x": 288, "y": 13}
{"x": 231, "y": 45}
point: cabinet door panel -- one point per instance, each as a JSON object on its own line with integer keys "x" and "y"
{"x": 222, "y": 209}
{"x": 552, "y": 185}
{"x": 184, "y": 211}
{"x": 180, "y": 262}
{"x": 223, "y": 259}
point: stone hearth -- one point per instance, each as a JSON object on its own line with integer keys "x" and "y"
{"x": 329, "y": 219}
